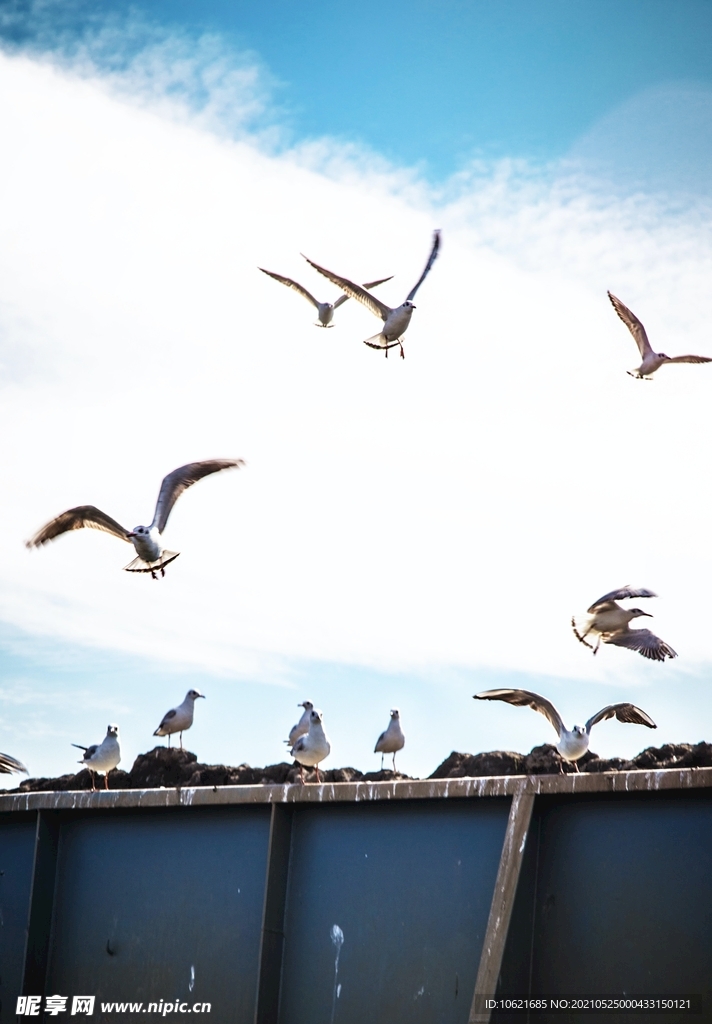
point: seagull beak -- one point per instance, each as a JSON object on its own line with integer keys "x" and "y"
{"x": 130, "y": 534}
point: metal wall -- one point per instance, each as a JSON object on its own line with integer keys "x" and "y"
{"x": 339, "y": 904}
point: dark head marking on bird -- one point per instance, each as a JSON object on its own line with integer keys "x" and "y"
{"x": 637, "y": 612}
{"x": 194, "y": 694}
{"x": 140, "y": 531}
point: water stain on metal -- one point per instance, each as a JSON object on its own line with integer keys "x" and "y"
{"x": 337, "y": 937}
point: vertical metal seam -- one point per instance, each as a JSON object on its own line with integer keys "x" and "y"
{"x": 515, "y": 837}
{"x": 40, "y": 909}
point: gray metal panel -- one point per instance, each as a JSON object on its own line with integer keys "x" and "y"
{"x": 144, "y": 899}
{"x": 410, "y": 887}
{"x": 17, "y": 850}
{"x": 616, "y": 898}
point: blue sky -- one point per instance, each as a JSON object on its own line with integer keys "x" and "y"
{"x": 404, "y": 533}
{"x": 433, "y": 83}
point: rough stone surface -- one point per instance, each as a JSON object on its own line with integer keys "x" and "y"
{"x": 171, "y": 767}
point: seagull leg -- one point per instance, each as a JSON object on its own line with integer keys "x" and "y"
{"x": 106, "y": 780}
{"x": 381, "y": 762}
{"x": 402, "y": 350}
{"x": 163, "y": 571}
{"x": 598, "y": 644}
{"x": 93, "y": 787}
{"x": 169, "y": 741}
{"x": 301, "y": 773}
{"x": 181, "y": 739}
{"x": 576, "y": 767}
{"x": 153, "y": 575}
{"x": 394, "y": 761}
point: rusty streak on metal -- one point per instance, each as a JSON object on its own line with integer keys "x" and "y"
{"x": 364, "y": 792}
{"x": 505, "y": 889}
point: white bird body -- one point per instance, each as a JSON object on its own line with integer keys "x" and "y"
{"x": 392, "y": 739}
{"x": 324, "y": 310}
{"x": 302, "y": 726}
{"x": 151, "y": 553}
{"x": 573, "y": 743}
{"x": 313, "y": 747}
{"x": 396, "y": 319}
{"x": 180, "y": 718}
{"x": 652, "y": 361}
{"x": 102, "y": 757}
{"x": 609, "y": 623}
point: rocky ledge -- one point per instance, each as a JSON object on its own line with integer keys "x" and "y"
{"x": 174, "y": 767}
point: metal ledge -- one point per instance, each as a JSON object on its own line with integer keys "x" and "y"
{"x": 357, "y": 792}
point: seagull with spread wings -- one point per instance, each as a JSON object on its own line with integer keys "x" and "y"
{"x": 609, "y": 623}
{"x": 573, "y": 743}
{"x": 395, "y": 321}
{"x": 652, "y": 361}
{"x": 9, "y": 764}
{"x": 324, "y": 310}
{"x": 151, "y": 554}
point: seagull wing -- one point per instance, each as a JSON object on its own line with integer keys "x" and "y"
{"x": 643, "y": 641}
{"x": 180, "y": 480}
{"x": 354, "y": 291}
{"x": 292, "y": 284}
{"x": 165, "y": 720}
{"x": 431, "y": 259}
{"x": 634, "y": 326}
{"x": 369, "y": 284}
{"x": 76, "y": 519}
{"x": 690, "y": 359}
{"x": 526, "y": 699}
{"x": 10, "y": 764}
{"x": 624, "y": 713}
{"x": 379, "y": 741}
{"x": 620, "y": 595}
{"x": 88, "y": 751}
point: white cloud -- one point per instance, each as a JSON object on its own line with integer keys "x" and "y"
{"x": 453, "y": 509}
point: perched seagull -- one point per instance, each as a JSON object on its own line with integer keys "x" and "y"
{"x": 179, "y": 719}
{"x": 302, "y": 726}
{"x": 152, "y": 556}
{"x": 325, "y": 310}
{"x": 10, "y": 764}
{"x": 102, "y": 757}
{"x": 652, "y": 361}
{"x": 395, "y": 321}
{"x": 573, "y": 743}
{"x": 392, "y": 740}
{"x": 313, "y": 747}
{"x": 609, "y": 623}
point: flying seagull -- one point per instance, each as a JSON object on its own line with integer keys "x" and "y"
{"x": 573, "y": 743}
{"x": 395, "y": 321}
{"x": 652, "y": 361}
{"x": 325, "y": 310}
{"x": 313, "y": 747}
{"x": 179, "y": 719}
{"x": 10, "y": 764}
{"x": 102, "y": 757}
{"x": 302, "y": 726}
{"x": 609, "y": 623}
{"x": 392, "y": 740}
{"x": 152, "y": 556}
